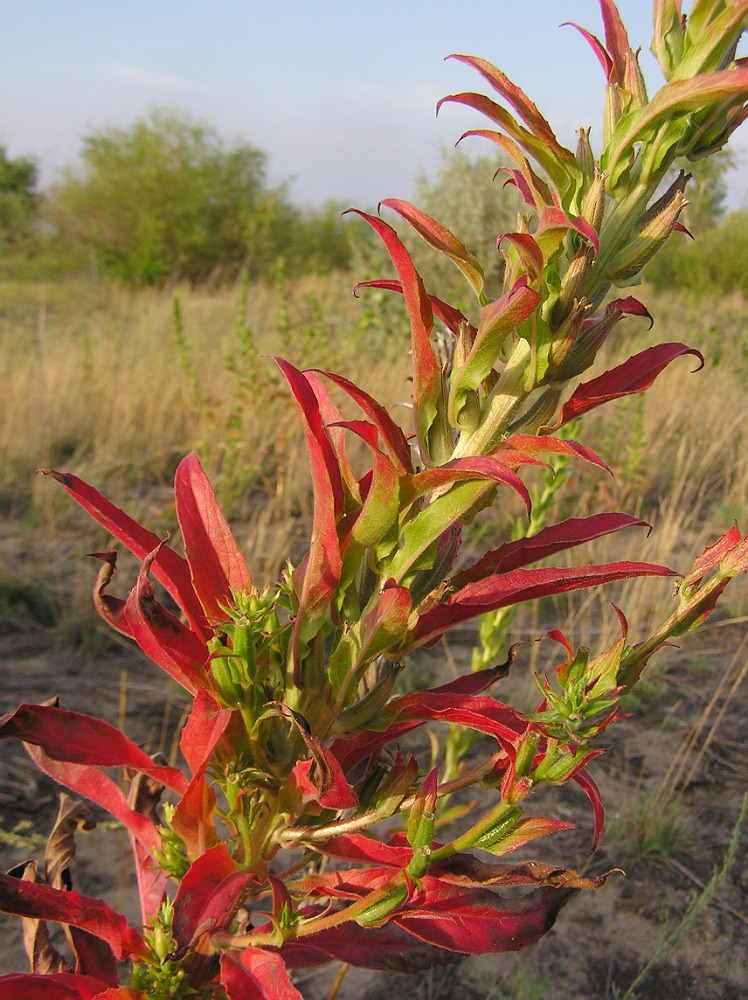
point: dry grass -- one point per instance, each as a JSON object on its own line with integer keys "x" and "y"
{"x": 98, "y": 381}
{"x": 93, "y": 378}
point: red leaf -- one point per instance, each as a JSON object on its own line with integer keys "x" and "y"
{"x": 452, "y": 318}
{"x": 711, "y": 557}
{"x": 544, "y": 444}
{"x": 42, "y": 902}
{"x": 93, "y": 956}
{"x": 555, "y": 223}
{"x": 321, "y": 779}
{"x": 387, "y": 948}
{"x": 169, "y": 568}
{"x": 96, "y": 786}
{"x": 79, "y": 739}
{"x": 193, "y": 817}
{"x": 505, "y": 589}
{"x": 256, "y": 975}
{"x": 362, "y": 849}
{"x": 528, "y": 251}
{"x": 533, "y": 188}
{"x": 634, "y": 375}
{"x": 631, "y": 307}
{"x": 482, "y": 713}
{"x": 462, "y": 915}
{"x": 437, "y": 705}
{"x": 590, "y": 789}
{"x": 347, "y": 884}
{"x": 480, "y": 922}
{"x": 323, "y": 564}
{"x": 537, "y": 147}
{"x": 205, "y": 726}
{"x": 616, "y": 38}
{"x": 547, "y": 542}
{"x": 111, "y": 609}
{"x": 216, "y": 565}
{"x": 209, "y": 896}
{"x": 462, "y": 470}
{"x": 122, "y": 993}
{"x": 58, "y": 986}
{"x": 392, "y": 436}
{"x": 332, "y": 419}
{"x": 162, "y": 636}
{"x": 426, "y": 371}
{"x": 151, "y": 880}
{"x": 598, "y": 48}
{"x": 350, "y": 750}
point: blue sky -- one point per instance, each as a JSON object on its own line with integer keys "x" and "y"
{"x": 340, "y": 95}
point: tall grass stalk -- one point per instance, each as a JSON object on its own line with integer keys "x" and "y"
{"x": 669, "y": 942}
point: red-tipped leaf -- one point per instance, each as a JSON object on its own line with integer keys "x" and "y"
{"x": 426, "y": 371}
{"x": 590, "y": 789}
{"x": 256, "y": 975}
{"x": 79, "y": 739}
{"x": 440, "y": 238}
{"x": 505, "y": 589}
{"x": 42, "y": 902}
{"x": 547, "y": 542}
{"x": 323, "y": 564}
{"x": 394, "y": 440}
{"x": 177, "y": 649}
{"x": 451, "y": 317}
{"x": 545, "y": 444}
{"x": 169, "y": 568}
{"x": 525, "y": 108}
{"x": 58, "y": 986}
{"x": 216, "y": 565}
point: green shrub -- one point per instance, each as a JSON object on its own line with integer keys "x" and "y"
{"x": 18, "y": 196}
{"x": 716, "y": 261}
{"x": 167, "y": 199}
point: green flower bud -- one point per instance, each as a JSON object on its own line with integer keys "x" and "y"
{"x": 634, "y": 80}
{"x": 655, "y": 226}
{"x": 585, "y": 158}
{"x": 564, "y": 340}
{"x": 226, "y": 680}
{"x": 614, "y": 108}
{"x": 572, "y": 285}
{"x": 593, "y": 206}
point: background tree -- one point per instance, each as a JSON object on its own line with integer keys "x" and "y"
{"x": 167, "y": 198}
{"x": 707, "y": 189}
{"x": 18, "y": 196}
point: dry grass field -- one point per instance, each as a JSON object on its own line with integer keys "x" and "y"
{"x": 112, "y": 385}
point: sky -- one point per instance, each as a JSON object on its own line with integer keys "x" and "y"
{"x": 339, "y": 95}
